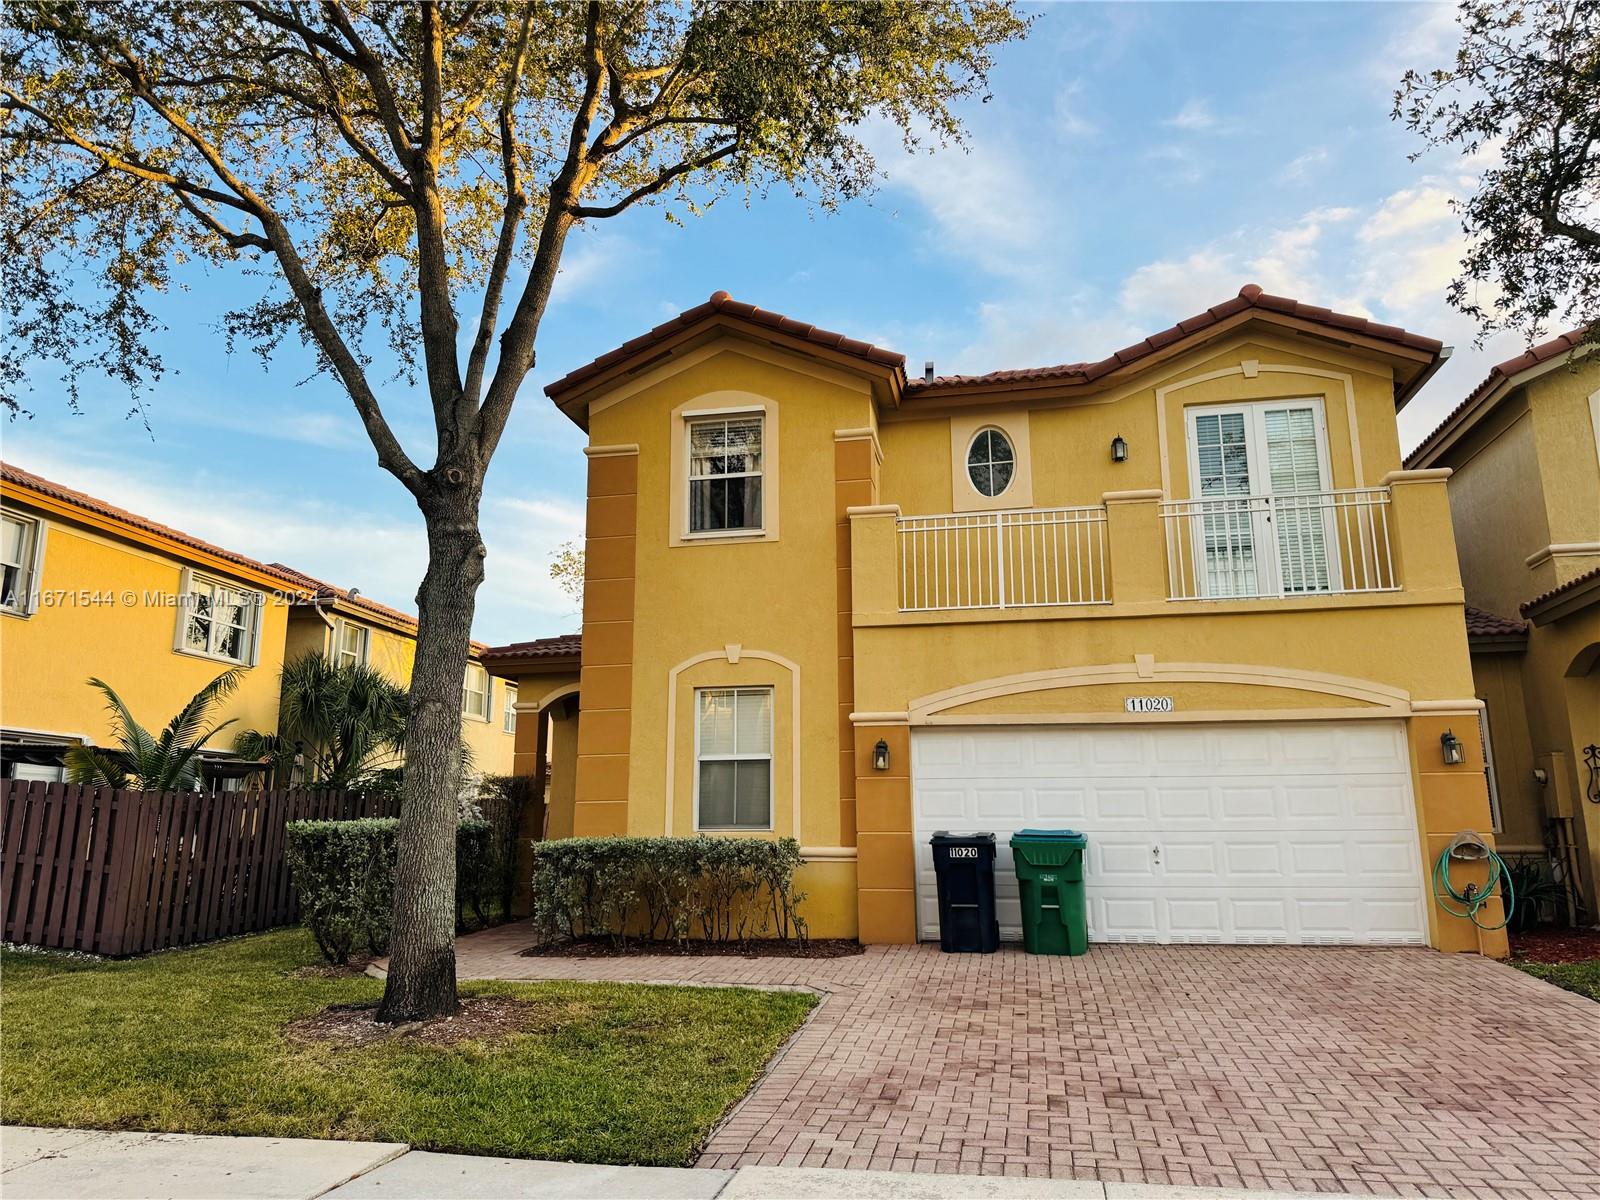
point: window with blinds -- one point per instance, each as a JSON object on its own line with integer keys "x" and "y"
{"x": 725, "y": 473}
{"x": 733, "y": 758}
{"x": 1294, "y": 468}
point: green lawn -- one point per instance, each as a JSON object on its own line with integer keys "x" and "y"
{"x": 1580, "y": 977}
{"x": 191, "y": 1042}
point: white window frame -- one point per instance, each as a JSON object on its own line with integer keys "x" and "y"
{"x": 1488, "y": 769}
{"x": 254, "y": 603}
{"x": 508, "y": 715}
{"x": 966, "y": 461}
{"x": 340, "y": 628}
{"x": 1263, "y": 536}
{"x": 30, "y": 570}
{"x": 768, "y": 758}
{"x": 706, "y": 417}
{"x": 488, "y": 693}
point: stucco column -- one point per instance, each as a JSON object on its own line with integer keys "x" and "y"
{"x": 1421, "y": 535}
{"x": 1136, "y": 545}
{"x": 886, "y": 870}
{"x": 874, "y": 560}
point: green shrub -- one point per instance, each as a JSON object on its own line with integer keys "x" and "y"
{"x": 719, "y": 889}
{"x": 343, "y": 873}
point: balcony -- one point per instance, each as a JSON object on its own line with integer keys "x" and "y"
{"x": 1141, "y": 554}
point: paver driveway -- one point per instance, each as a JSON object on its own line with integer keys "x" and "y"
{"x": 1314, "y": 1068}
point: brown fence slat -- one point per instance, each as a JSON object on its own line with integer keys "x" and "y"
{"x": 67, "y": 894}
{"x": 97, "y": 866}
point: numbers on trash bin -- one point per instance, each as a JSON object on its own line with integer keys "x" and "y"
{"x": 963, "y": 851}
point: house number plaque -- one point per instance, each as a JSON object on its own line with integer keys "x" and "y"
{"x": 1147, "y": 704}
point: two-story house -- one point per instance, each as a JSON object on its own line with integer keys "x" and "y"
{"x": 91, "y": 589}
{"x": 1183, "y": 599}
{"x": 1524, "y": 447}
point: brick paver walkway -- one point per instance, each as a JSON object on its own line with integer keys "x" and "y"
{"x": 1387, "y": 1071}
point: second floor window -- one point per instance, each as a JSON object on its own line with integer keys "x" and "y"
{"x": 21, "y": 546}
{"x": 475, "y": 693}
{"x": 218, "y": 620}
{"x": 508, "y": 720}
{"x": 350, "y": 645}
{"x": 991, "y": 462}
{"x": 725, "y": 473}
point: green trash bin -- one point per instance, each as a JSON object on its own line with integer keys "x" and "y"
{"x": 1049, "y": 866}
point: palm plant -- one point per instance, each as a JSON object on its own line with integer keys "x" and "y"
{"x": 338, "y": 720}
{"x": 165, "y": 762}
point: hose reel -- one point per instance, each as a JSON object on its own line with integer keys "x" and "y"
{"x": 1468, "y": 847}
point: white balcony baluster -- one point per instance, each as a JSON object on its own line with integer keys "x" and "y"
{"x": 1024, "y": 558}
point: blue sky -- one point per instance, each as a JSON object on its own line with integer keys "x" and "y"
{"x": 1136, "y": 164}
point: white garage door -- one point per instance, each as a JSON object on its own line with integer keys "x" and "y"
{"x": 1295, "y": 832}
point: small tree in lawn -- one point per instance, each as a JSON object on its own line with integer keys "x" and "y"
{"x": 375, "y": 169}
{"x": 1524, "y": 90}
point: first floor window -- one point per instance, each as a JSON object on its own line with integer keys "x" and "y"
{"x": 508, "y": 720}
{"x": 20, "y": 546}
{"x": 350, "y": 648}
{"x": 475, "y": 692}
{"x": 733, "y": 758}
{"x": 218, "y": 620}
{"x": 725, "y": 473}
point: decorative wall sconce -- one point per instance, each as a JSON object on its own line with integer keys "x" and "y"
{"x": 1119, "y": 449}
{"x": 1450, "y": 744}
{"x": 880, "y": 756}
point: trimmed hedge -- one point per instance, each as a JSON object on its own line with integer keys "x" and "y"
{"x": 343, "y": 872}
{"x": 670, "y": 888}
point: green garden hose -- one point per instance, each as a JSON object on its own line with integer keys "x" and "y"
{"x": 1473, "y": 898}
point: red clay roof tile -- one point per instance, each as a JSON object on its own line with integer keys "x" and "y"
{"x": 563, "y": 645}
{"x": 1481, "y": 623}
{"x": 1586, "y": 577}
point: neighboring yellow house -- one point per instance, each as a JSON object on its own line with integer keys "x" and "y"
{"x": 90, "y": 589}
{"x": 1525, "y": 496}
{"x": 1184, "y": 599}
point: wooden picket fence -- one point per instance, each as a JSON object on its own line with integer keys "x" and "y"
{"x": 114, "y": 872}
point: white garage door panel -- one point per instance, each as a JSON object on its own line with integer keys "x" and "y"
{"x": 1258, "y": 833}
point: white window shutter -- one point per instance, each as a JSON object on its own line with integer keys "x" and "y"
{"x": 30, "y": 602}
{"x": 185, "y": 583}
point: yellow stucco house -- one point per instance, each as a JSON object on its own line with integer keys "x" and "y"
{"x": 1524, "y": 447}
{"x": 1184, "y": 599}
{"x": 91, "y": 589}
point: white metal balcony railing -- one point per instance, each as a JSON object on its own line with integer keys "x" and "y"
{"x": 1312, "y": 543}
{"x": 1013, "y": 559}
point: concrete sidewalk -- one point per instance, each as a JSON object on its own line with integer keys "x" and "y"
{"x": 72, "y": 1164}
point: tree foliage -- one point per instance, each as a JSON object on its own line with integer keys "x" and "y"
{"x": 165, "y": 762}
{"x": 1524, "y": 95}
{"x": 566, "y": 568}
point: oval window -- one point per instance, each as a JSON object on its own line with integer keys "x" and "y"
{"x": 990, "y": 462}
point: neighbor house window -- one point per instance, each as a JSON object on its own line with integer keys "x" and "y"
{"x": 733, "y": 758}
{"x": 725, "y": 473}
{"x": 350, "y": 645}
{"x": 1488, "y": 769}
{"x": 508, "y": 719}
{"x": 21, "y": 554}
{"x": 218, "y": 620}
{"x": 991, "y": 462}
{"x": 475, "y": 692}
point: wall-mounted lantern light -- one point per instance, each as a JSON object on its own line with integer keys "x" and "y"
{"x": 1450, "y": 744}
{"x": 1119, "y": 449}
{"x": 880, "y": 756}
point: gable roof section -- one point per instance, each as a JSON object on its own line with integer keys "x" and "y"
{"x": 1486, "y": 629}
{"x": 541, "y": 654}
{"x": 1422, "y": 353}
{"x": 302, "y": 588}
{"x": 1483, "y": 398}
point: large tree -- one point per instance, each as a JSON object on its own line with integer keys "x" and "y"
{"x": 1522, "y": 97}
{"x": 370, "y": 170}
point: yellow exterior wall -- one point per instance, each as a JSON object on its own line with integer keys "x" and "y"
{"x": 47, "y": 657}
{"x": 759, "y": 612}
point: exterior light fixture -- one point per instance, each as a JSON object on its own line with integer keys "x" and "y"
{"x": 1119, "y": 449}
{"x": 880, "y": 756}
{"x": 1450, "y": 744}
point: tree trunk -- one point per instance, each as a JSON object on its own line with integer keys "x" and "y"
{"x": 422, "y": 960}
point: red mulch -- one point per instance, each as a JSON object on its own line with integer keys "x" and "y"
{"x": 757, "y": 948}
{"x": 480, "y": 1018}
{"x": 1556, "y": 945}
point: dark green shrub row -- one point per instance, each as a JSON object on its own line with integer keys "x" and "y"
{"x": 343, "y": 873}
{"x": 718, "y": 889}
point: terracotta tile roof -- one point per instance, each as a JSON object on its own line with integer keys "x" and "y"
{"x": 1250, "y": 297}
{"x": 1497, "y": 375}
{"x": 564, "y": 645}
{"x": 722, "y": 304}
{"x": 309, "y": 586}
{"x": 1487, "y": 624}
{"x": 1569, "y": 585}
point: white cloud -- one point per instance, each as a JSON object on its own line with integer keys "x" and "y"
{"x": 1425, "y": 39}
{"x": 1409, "y": 210}
{"x": 1194, "y": 117}
{"x": 1302, "y": 167}
{"x": 1070, "y": 121}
